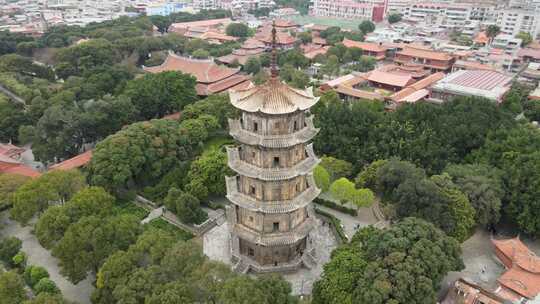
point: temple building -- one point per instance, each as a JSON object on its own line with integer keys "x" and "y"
{"x": 270, "y": 217}
{"x": 211, "y": 78}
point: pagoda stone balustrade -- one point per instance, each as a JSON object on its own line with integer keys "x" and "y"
{"x": 277, "y": 206}
{"x": 305, "y": 134}
{"x": 289, "y": 171}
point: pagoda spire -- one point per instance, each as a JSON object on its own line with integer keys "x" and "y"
{"x": 274, "y": 72}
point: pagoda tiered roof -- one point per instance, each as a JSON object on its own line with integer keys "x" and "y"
{"x": 283, "y": 206}
{"x": 273, "y": 141}
{"x": 271, "y": 174}
{"x": 273, "y": 97}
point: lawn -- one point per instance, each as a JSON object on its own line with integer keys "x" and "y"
{"x": 164, "y": 225}
{"x": 351, "y": 24}
{"x": 216, "y": 142}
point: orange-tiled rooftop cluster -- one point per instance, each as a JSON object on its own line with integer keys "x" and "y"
{"x": 371, "y": 49}
{"x": 429, "y": 59}
{"x": 211, "y": 78}
{"x": 251, "y": 47}
{"x": 522, "y": 278}
{"x": 393, "y": 83}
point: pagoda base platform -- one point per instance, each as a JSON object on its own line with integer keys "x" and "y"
{"x": 301, "y": 272}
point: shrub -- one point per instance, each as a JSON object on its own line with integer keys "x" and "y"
{"x": 46, "y": 285}
{"x": 9, "y": 247}
{"x": 19, "y": 260}
{"x": 33, "y": 274}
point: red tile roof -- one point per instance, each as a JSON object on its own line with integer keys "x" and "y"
{"x": 523, "y": 276}
{"x": 390, "y": 79}
{"x": 423, "y": 53}
{"x": 223, "y": 85}
{"x": 173, "y": 116}
{"x": 407, "y": 94}
{"x": 319, "y": 40}
{"x": 202, "y": 23}
{"x": 206, "y": 71}
{"x": 320, "y": 51}
{"x": 366, "y": 46}
{"x": 528, "y": 52}
{"x": 21, "y": 169}
{"x": 78, "y": 161}
{"x": 10, "y": 150}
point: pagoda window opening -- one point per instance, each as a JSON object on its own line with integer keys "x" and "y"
{"x": 251, "y": 252}
{"x": 252, "y": 190}
{"x": 275, "y": 163}
{"x": 295, "y": 126}
{"x": 251, "y": 218}
{"x": 275, "y": 227}
{"x": 255, "y": 126}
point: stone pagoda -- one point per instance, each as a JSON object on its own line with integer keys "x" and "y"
{"x": 271, "y": 216}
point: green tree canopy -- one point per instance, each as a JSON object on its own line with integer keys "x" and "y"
{"x": 55, "y": 187}
{"x": 9, "y": 247}
{"x": 186, "y": 206}
{"x": 343, "y": 190}
{"x": 87, "y": 243}
{"x": 322, "y": 178}
{"x": 155, "y": 95}
{"x": 366, "y": 26}
{"x": 336, "y": 167}
{"x": 394, "y": 18}
{"x": 237, "y": 30}
{"x": 252, "y": 66}
{"x": 207, "y": 175}
{"x": 11, "y": 288}
{"x": 54, "y": 222}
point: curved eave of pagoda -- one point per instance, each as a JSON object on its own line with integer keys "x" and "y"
{"x": 284, "y": 206}
{"x": 241, "y": 167}
{"x": 303, "y": 135}
{"x": 275, "y": 239}
{"x": 273, "y": 98}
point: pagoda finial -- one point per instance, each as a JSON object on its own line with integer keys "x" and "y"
{"x": 274, "y": 69}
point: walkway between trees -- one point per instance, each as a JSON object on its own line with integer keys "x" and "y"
{"x": 37, "y": 255}
{"x": 12, "y": 95}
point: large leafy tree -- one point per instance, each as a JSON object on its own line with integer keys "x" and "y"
{"x": 160, "y": 269}
{"x": 86, "y": 244}
{"x": 237, "y": 30}
{"x": 217, "y": 105}
{"x": 401, "y": 264}
{"x": 54, "y": 222}
{"x": 55, "y": 187}
{"x": 143, "y": 152}
{"x": 11, "y": 288}
{"x": 366, "y": 26}
{"x": 155, "y": 95}
{"x": 186, "y": 206}
{"x": 483, "y": 186}
{"x": 207, "y": 175}
{"x": 85, "y": 57}
{"x": 336, "y": 167}
{"x": 9, "y": 183}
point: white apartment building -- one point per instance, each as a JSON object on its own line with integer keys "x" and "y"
{"x": 342, "y": 9}
{"x": 513, "y": 21}
{"x": 206, "y": 4}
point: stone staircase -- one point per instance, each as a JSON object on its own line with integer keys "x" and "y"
{"x": 309, "y": 260}
{"x": 241, "y": 267}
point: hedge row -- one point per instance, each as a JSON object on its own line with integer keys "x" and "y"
{"x": 336, "y": 222}
{"x": 335, "y": 206}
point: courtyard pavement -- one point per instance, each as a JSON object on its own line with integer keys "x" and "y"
{"x": 37, "y": 255}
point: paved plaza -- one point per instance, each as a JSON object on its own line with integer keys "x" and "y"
{"x": 216, "y": 245}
